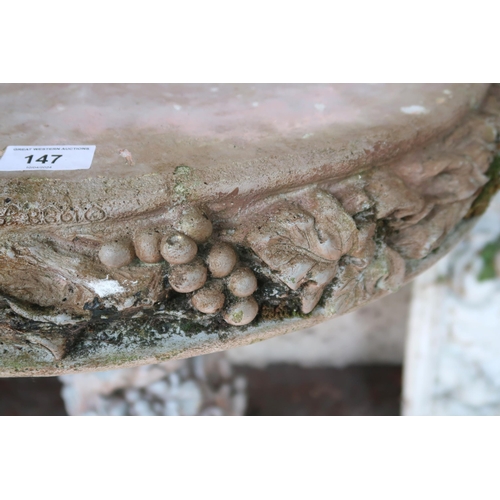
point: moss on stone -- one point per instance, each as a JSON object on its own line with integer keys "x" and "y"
{"x": 237, "y": 316}
{"x": 280, "y": 312}
{"x": 191, "y": 328}
{"x": 182, "y": 170}
{"x": 181, "y": 173}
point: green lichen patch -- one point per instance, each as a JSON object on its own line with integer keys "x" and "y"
{"x": 237, "y": 316}
{"x": 182, "y": 170}
{"x": 182, "y": 174}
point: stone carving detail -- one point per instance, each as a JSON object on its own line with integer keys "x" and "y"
{"x": 15, "y": 214}
{"x": 312, "y": 241}
{"x": 346, "y": 240}
{"x": 304, "y": 241}
{"x": 358, "y": 231}
{"x": 45, "y": 284}
{"x": 187, "y": 272}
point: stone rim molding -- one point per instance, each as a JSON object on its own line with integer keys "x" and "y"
{"x": 89, "y": 288}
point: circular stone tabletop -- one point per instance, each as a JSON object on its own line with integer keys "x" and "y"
{"x": 218, "y": 215}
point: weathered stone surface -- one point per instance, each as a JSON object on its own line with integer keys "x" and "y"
{"x": 178, "y": 248}
{"x": 221, "y": 260}
{"x": 333, "y": 204}
{"x": 210, "y": 299}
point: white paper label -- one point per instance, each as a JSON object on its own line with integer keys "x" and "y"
{"x": 46, "y": 158}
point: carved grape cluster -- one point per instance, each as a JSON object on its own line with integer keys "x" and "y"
{"x": 207, "y": 279}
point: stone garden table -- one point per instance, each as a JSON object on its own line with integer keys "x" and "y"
{"x": 215, "y": 216}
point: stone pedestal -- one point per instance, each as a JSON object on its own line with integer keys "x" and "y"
{"x": 452, "y": 364}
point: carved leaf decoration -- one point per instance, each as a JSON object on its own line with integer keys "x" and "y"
{"x": 351, "y": 193}
{"x": 448, "y": 183}
{"x": 418, "y": 241}
{"x": 349, "y": 291}
{"x": 393, "y": 198}
{"x": 303, "y": 239}
{"x": 51, "y": 279}
{"x": 385, "y": 272}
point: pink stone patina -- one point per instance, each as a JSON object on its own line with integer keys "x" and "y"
{"x": 218, "y": 215}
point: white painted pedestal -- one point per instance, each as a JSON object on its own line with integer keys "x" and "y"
{"x": 452, "y": 364}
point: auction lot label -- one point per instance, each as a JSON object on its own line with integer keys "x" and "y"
{"x": 18, "y": 158}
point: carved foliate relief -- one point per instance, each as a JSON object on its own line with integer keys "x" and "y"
{"x": 303, "y": 241}
{"x": 69, "y": 278}
{"x": 345, "y": 240}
